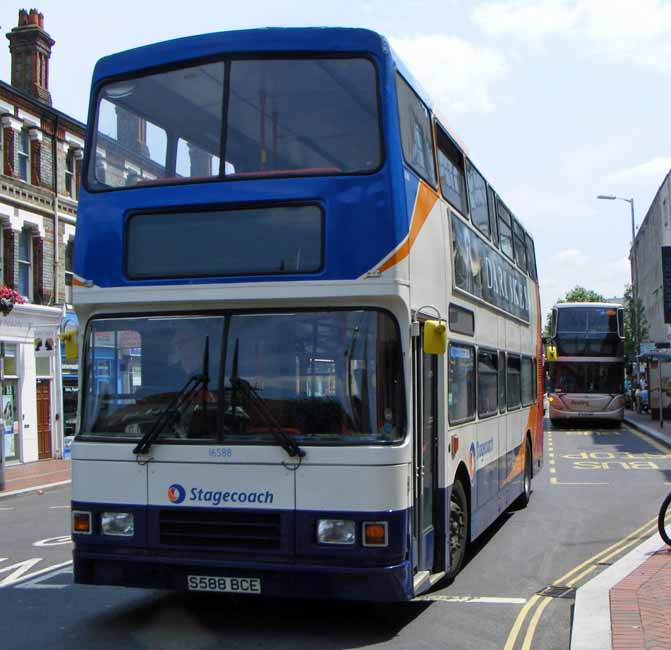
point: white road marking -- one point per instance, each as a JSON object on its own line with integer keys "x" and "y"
{"x": 38, "y": 582}
{"x": 54, "y": 541}
{"x": 490, "y": 600}
{"x": 6, "y": 508}
{"x": 10, "y": 580}
{"x": 58, "y": 507}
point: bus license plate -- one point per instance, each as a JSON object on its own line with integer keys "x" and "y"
{"x": 224, "y": 584}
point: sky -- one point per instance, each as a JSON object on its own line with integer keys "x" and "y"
{"x": 556, "y": 101}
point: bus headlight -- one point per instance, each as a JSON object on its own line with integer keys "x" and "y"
{"x": 336, "y": 531}
{"x": 120, "y": 524}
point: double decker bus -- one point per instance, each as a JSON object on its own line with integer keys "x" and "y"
{"x": 587, "y": 377}
{"x": 321, "y": 323}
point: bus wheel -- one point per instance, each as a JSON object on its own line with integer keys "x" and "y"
{"x": 458, "y": 527}
{"x": 523, "y": 499}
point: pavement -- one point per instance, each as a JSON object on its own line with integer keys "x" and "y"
{"x": 628, "y": 606}
{"x": 30, "y": 477}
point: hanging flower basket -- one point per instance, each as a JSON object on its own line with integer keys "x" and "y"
{"x": 9, "y": 298}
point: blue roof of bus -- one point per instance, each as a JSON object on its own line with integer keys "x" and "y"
{"x": 264, "y": 39}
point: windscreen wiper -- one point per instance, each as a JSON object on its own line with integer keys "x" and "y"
{"x": 259, "y": 404}
{"x": 172, "y": 413}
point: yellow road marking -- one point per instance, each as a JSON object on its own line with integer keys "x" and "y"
{"x": 609, "y": 552}
{"x": 553, "y": 470}
{"x": 531, "y": 630}
{"x": 533, "y": 623}
{"x": 648, "y": 439}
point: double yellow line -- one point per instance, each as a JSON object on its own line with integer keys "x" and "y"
{"x": 570, "y": 579}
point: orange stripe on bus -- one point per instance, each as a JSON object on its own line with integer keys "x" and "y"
{"x": 426, "y": 199}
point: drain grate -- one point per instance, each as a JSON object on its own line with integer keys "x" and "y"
{"x": 557, "y": 591}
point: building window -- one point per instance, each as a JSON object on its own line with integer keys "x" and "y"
{"x": 25, "y": 263}
{"x": 69, "y": 253}
{"x": 9, "y": 404}
{"x": 24, "y": 155}
{"x": 70, "y": 174}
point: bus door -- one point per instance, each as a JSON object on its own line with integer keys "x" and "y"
{"x": 429, "y": 542}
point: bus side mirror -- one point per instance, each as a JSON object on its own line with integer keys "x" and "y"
{"x": 70, "y": 340}
{"x": 435, "y": 337}
{"x": 551, "y": 353}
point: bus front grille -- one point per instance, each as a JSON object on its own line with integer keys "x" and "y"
{"x": 221, "y": 529}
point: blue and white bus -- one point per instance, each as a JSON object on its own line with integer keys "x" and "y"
{"x": 322, "y": 325}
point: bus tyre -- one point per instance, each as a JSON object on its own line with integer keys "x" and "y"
{"x": 664, "y": 528}
{"x": 458, "y": 528}
{"x": 523, "y": 500}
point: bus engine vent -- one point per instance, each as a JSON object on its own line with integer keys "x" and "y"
{"x": 220, "y": 530}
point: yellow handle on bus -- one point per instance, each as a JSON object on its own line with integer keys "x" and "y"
{"x": 551, "y": 352}
{"x": 435, "y": 337}
{"x": 70, "y": 340}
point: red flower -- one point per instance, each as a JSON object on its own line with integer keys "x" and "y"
{"x": 11, "y": 295}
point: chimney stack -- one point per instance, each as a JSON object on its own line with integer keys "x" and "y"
{"x": 30, "y": 47}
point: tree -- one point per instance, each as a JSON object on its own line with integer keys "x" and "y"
{"x": 577, "y": 294}
{"x": 629, "y": 321}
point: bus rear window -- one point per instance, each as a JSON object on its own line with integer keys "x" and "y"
{"x": 283, "y": 117}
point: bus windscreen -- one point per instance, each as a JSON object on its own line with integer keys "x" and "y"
{"x": 592, "y": 378}
{"x": 241, "y": 118}
{"x": 321, "y": 376}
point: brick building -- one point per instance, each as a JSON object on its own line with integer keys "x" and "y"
{"x": 41, "y": 150}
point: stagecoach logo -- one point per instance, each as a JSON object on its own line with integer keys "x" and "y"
{"x": 485, "y": 273}
{"x": 176, "y": 493}
{"x": 471, "y": 461}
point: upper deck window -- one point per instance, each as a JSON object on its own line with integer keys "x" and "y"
{"x": 477, "y": 196}
{"x": 282, "y": 117}
{"x": 505, "y": 230}
{"x": 451, "y": 172}
{"x": 416, "y": 138}
{"x": 587, "y": 319}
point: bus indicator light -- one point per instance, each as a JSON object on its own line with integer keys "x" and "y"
{"x": 375, "y": 533}
{"x": 81, "y": 522}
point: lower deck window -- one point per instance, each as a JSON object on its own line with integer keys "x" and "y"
{"x": 487, "y": 383}
{"x": 461, "y": 383}
{"x": 513, "y": 382}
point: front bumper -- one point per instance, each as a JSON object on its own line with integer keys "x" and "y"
{"x": 379, "y": 584}
{"x": 616, "y": 415}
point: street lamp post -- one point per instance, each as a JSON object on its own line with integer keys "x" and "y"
{"x": 634, "y": 272}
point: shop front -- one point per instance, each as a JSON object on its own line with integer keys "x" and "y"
{"x": 30, "y": 384}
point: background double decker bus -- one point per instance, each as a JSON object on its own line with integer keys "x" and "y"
{"x": 587, "y": 378}
{"x": 321, "y": 322}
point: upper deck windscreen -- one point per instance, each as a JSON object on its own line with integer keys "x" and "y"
{"x": 574, "y": 320}
{"x": 237, "y": 118}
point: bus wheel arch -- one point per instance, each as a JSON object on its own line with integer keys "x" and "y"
{"x": 459, "y": 520}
